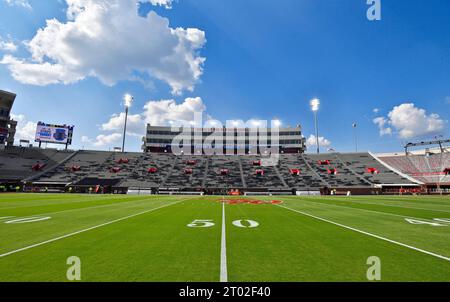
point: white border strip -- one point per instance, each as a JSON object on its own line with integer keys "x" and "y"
{"x": 369, "y": 234}
{"x": 85, "y": 230}
{"x": 223, "y": 249}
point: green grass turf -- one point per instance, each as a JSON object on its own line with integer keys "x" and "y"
{"x": 150, "y": 240}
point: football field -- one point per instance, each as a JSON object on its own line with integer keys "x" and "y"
{"x": 213, "y": 239}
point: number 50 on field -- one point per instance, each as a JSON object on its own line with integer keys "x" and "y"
{"x": 207, "y": 223}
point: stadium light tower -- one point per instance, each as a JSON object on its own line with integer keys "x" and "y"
{"x": 355, "y": 133}
{"x": 315, "y": 105}
{"x": 127, "y": 101}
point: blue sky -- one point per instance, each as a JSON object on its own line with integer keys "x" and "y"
{"x": 264, "y": 59}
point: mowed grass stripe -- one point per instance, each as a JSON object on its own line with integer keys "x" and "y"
{"x": 369, "y": 234}
{"x": 376, "y": 208}
{"x": 426, "y": 237}
{"x": 287, "y": 247}
{"x": 84, "y": 230}
{"x": 16, "y": 236}
{"x": 77, "y": 205}
{"x": 53, "y": 205}
{"x": 411, "y": 202}
{"x": 157, "y": 246}
{"x": 404, "y": 206}
{"x": 433, "y": 201}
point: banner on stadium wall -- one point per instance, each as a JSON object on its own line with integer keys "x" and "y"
{"x": 55, "y": 134}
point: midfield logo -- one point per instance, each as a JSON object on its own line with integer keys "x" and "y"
{"x": 250, "y": 201}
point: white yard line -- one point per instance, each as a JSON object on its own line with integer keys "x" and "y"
{"x": 85, "y": 230}
{"x": 223, "y": 249}
{"x": 368, "y": 234}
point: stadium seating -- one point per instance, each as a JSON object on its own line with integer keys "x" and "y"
{"x": 266, "y": 177}
{"x": 335, "y": 173}
{"x": 302, "y": 172}
{"x": 308, "y": 179}
{"x": 427, "y": 169}
{"x": 360, "y": 162}
{"x": 216, "y": 179}
{"x": 20, "y": 163}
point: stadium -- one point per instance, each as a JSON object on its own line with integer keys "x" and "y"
{"x": 186, "y": 198}
{"x": 79, "y": 193}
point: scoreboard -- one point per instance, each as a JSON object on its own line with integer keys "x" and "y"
{"x": 54, "y": 134}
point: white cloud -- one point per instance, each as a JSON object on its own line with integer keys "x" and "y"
{"x": 103, "y": 140}
{"x": 86, "y": 140}
{"x": 448, "y": 99}
{"x": 409, "y": 122}
{"x": 312, "y": 142}
{"x": 382, "y": 126}
{"x": 166, "y": 3}
{"x": 163, "y": 112}
{"x": 135, "y": 124}
{"x": 376, "y": 110}
{"x": 20, "y": 3}
{"x": 7, "y": 45}
{"x": 160, "y": 113}
{"x": 26, "y": 130}
{"x": 39, "y": 74}
{"x": 107, "y": 39}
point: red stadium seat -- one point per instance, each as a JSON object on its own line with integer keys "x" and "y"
{"x": 75, "y": 168}
{"x": 324, "y": 162}
{"x": 332, "y": 171}
{"x": 224, "y": 172}
{"x": 372, "y": 171}
{"x": 123, "y": 161}
{"x": 188, "y": 171}
{"x": 115, "y": 170}
{"x": 37, "y": 167}
{"x": 191, "y": 162}
{"x": 257, "y": 163}
{"x": 295, "y": 172}
{"x": 152, "y": 170}
{"x": 259, "y": 172}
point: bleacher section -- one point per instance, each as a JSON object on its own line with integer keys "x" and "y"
{"x": 90, "y": 163}
{"x": 16, "y": 163}
{"x": 230, "y": 178}
{"x": 361, "y": 162}
{"x": 270, "y": 179}
{"x": 141, "y": 177}
{"x": 334, "y": 172}
{"x": 299, "y": 172}
{"x": 187, "y": 172}
{"x": 306, "y": 179}
{"x": 427, "y": 169}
